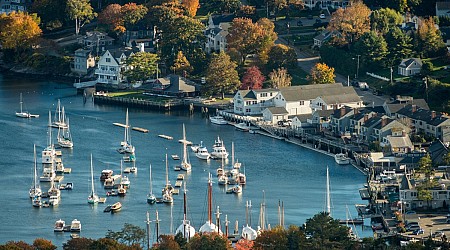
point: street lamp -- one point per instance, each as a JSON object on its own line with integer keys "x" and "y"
{"x": 357, "y": 66}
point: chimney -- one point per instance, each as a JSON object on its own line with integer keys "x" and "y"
{"x": 403, "y": 133}
{"x": 366, "y": 117}
{"x": 342, "y": 111}
{"x": 374, "y": 114}
{"x": 433, "y": 114}
{"x": 414, "y": 108}
{"x": 356, "y": 111}
{"x": 383, "y": 122}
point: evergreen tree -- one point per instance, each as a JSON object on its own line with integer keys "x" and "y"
{"x": 222, "y": 76}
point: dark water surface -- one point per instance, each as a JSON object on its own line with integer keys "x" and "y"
{"x": 284, "y": 171}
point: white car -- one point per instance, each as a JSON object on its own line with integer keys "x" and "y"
{"x": 322, "y": 16}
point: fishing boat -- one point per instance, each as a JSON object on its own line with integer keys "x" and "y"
{"x": 218, "y": 120}
{"x": 116, "y": 207}
{"x": 35, "y": 188}
{"x": 124, "y": 181}
{"x": 185, "y": 164}
{"x": 175, "y": 157}
{"x": 202, "y": 152}
{"x": 151, "y": 198}
{"x": 107, "y": 209}
{"x": 209, "y": 226}
{"x": 22, "y": 113}
{"x": 93, "y": 197}
{"x": 48, "y": 157}
{"x": 168, "y": 189}
{"x": 54, "y": 200}
{"x": 242, "y": 126}
{"x": 219, "y": 150}
{"x": 75, "y": 226}
{"x": 59, "y": 118}
{"x": 185, "y": 229}
{"x": 59, "y": 226}
{"x": 65, "y": 137}
{"x": 248, "y": 232}
{"x": 126, "y": 146}
{"x": 341, "y": 159}
{"x": 222, "y": 176}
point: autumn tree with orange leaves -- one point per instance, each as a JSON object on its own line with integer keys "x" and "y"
{"x": 321, "y": 74}
{"x": 18, "y": 30}
{"x": 192, "y": 6}
{"x": 350, "y": 23}
{"x": 112, "y": 16}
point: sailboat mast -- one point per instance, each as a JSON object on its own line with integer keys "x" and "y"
{"x": 209, "y": 199}
{"x": 184, "y": 145}
{"x": 232, "y": 154}
{"x": 148, "y": 230}
{"x": 157, "y": 225}
{"x": 167, "y": 173}
{"x": 184, "y": 211}
{"x": 49, "y": 143}
{"x": 92, "y": 179}
{"x": 246, "y": 212}
{"x": 328, "y": 194}
{"x": 21, "y": 102}
{"x": 35, "y": 169}
{"x": 126, "y": 128}
{"x": 151, "y": 188}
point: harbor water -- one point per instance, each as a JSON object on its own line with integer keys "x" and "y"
{"x": 282, "y": 171}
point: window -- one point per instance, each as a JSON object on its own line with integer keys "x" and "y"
{"x": 108, "y": 59}
{"x": 263, "y": 94}
{"x": 248, "y": 110}
{"x": 302, "y": 103}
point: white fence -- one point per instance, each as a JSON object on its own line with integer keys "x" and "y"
{"x": 377, "y": 76}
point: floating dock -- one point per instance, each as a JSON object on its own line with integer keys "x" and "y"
{"x": 143, "y": 130}
{"x": 180, "y": 177}
{"x": 101, "y": 199}
{"x": 58, "y": 153}
{"x": 178, "y": 183}
{"x": 166, "y": 137}
{"x": 176, "y": 192}
{"x": 67, "y": 170}
{"x": 175, "y": 157}
{"x": 120, "y": 124}
{"x": 58, "y": 178}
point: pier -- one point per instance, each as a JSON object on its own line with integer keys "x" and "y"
{"x": 140, "y": 103}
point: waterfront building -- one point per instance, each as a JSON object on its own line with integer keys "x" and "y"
{"x": 275, "y": 114}
{"x": 111, "y": 65}
{"x": 96, "y": 41}
{"x": 422, "y": 121}
{"x": 8, "y": 6}
{"x": 386, "y": 127}
{"x": 340, "y": 121}
{"x": 399, "y": 145}
{"x": 253, "y": 101}
{"x": 83, "y": 60}
{"x": 174, "y": 85}
{"x": 400, "y": 102}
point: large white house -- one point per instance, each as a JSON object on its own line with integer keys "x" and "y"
{"x": 305, "y": 99}
{"x": 253, "y": 102}
{"x": 217, "y": 31}
{"x": 111, "y": 66}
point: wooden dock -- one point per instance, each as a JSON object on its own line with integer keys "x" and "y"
{"x": 180, "y": 177}
{"x": 58, "y": 178}
{"x": 101, "y": 199}
{"x": 143, "y": 130}
{"x": 166, "y": 137}
{"x": 178, "y": 183}
{"x": 120, "y": 124}
{"x": 67, "y": 170}
{"x": 175, "y": 157}
{"x": 176, "y": 192}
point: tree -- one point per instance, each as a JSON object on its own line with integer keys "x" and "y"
{"x": 142, "y": 66}
{"x": 351, "y": 23}
{"x": 222, "y": 76}
{"x": 130, "y": 235}
{"x": 106, "y": 243}
{"x": 446, "y": 159}
{"x": 244, "y": 244}
{"x": 385, "y": 19}
{"x": 321, "y": 74}
{"x": 372, "y": 47}
{"x": 112, "y": 16}
{"x": 78, "y": 243}
{"x": 81, "y": 11}
{"x": 19, "y": 245}
{"x": 275, "y": 239}
{"x": 296, "y": 238}
{"x": 281, "y": 55}
{"x": 132, "y": 13}
{"x": 244, "y": 36}
{"x": 51, "y": 12}
{"x": 269, "y": 36}
{"x": 424, "y": 194}
{"x": 166, "y": 242}
{"x": 209, "y": 241}
{"x": 18, "y": 30}
{"x": 181, "y": 65}
{"x": 280, "y": 78}
{"x": 426, "y": 167}
{"x": 43, "y": 244}
{"x": 192, "y": 6}
{"x": 399, "y": 45}
{"x": 430, "y": 39}
{"x": 252, "y": 79}
{"x": 224, "y": 6}
{"x": 326, "y": 232}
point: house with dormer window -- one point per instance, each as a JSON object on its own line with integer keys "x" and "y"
{"x": 410, "y": 66}
{"x": 340, "y": 121}
{"x": 254, "y": 101}
{"x": 111, "y": 66}
{"x": 217, "y": 31}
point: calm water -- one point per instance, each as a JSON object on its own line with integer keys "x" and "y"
{"x": 284, "y": 171}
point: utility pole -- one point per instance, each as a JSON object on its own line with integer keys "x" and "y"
{"x": 357, "y": 66}
{"x": 148, "y": 230}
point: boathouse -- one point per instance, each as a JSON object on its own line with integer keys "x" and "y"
{"x": 275, "y": 114}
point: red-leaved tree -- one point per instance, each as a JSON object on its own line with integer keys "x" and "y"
{"x": 253, "y": 79}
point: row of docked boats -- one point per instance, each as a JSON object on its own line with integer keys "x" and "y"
{"x": 218, "y": 150}
{"x": 242, "y": 126}
{"x": 60, "y": 226}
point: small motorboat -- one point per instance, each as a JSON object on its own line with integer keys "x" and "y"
{"x": 59, "y": 225}
{"x": 75, "y": 226}
{"x": 112, "y": 193}
{"x": 107, "y": 209}
{"x": 106, "y": 174}
{"x": 202, "y": 153}
{"x": 236, "y": 189}
{"x": 175, "y": 157}
{"x": 341, "y": 159}
{"x": 218, "y": 120}
{"x": 116, "y": 207}
{"x": 53, "y": 200}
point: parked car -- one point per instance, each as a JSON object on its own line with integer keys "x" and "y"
{"x": 322, "y": 16}
{"x": 418, "y": 231}
{"x": 413, "y": 228}
{"x": 438, "y": 234}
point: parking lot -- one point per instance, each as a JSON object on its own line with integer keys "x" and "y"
{"x": 431, "y": 223}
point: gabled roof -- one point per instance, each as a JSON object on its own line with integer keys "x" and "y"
{"x": 324, "y": 113}
{"x": 372, "y": 121}
{"x": 179, "y": 85}
{"x": 399, "y": 141}
{"x": 347, "y": 96}
{"x": 247, "y": 94}
{"x": 303, "y": 117}
{"x": 337, "y": 113}
{"x": 278, "y": 111}
{"x": 388, "y": 121}
{"x": 405, "y": 63}
{"x": 437, "y": 150}
{"x": 224, "y": 18}
{"x": 423, "y": 115}
{"x": 406, "y": 184}
{"x": 395, "y": 106}
{"x": 309, "y": 92}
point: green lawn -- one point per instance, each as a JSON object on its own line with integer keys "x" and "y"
{"x": 298, "y": 76}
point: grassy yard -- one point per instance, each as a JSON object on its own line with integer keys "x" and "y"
{"x": 298, "y": 76}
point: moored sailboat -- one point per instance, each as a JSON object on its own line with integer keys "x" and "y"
{"x": 48, "y": 157}
{"x": 151, "y": 198}
{"x": 185, "y": 164}
{"x": 168, "y": 189}
{"x": 209, "y": 226}
{"x": 65, "y": 137}
{"x": 22, "y": 113}
{"x": 185, "y": 228}
{"x": 59, "y": 119}
{"x": 35, "y": 188}
{"x": 125, "y": 145}
{"x": 93, "y": 197}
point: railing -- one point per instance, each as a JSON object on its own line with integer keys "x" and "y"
{"x": 106, "y": 72}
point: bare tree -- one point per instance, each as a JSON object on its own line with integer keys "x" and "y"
{"x": 280, "y": 78}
